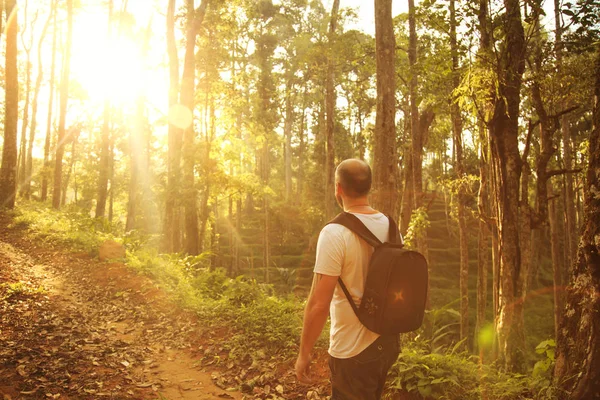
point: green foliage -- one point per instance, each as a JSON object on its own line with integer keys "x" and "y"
{"x": 542, "y": 370}
{"x": 241, "y": 292}
{"x": 70, "y": 227}
{"x": 440, "y": 328}
{"x": 453, "y": 375}
{"x": 419, "y": 222}
{"x": 210, "y": 284}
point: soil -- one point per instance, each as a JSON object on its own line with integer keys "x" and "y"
{"x": 72, "y": 327}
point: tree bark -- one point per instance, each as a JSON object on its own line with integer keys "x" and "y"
{"x": 301, "y": 150}
{"x": 385, "y": 162}
{"x": 411, "y": 186}
{"x": 289, "y": 123}
{"x": 571, "y": 218}
{"x": 556, "y": 260}
{"x": 188, "y": 81}
{"x": 576, "y": 370}
{"x": 457, "y": 127}
{"x": 64, "y": 98}
{"x": 8, "y": 171}
{"x": 504, "y": 132}
{"x": 104, "y": 143}
{"x": 22, "y": 173}
{"x": 67, "y": 179}
{"x": 34, "y": 109}
{"x": 483, "y": 253}
{"x": 46, "y": 167}
{"x": 172, "y": 242}
{"x": 330, "y": 101}
{"x": 135, "y": 144}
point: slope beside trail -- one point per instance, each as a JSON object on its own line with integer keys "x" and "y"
{"x": 74, "y": 328}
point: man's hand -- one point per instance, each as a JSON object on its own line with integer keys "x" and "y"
{"x": 315, "y": 316}
{"x": 302, "y": 369}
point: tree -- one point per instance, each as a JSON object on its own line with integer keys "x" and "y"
{"x": 385, "y": 164}
{"x": 8, "y": 171}
{"x": 457, "y": 127}
{"x": 578, "y": 346}
{"x": 46, "y": 166}
{"x": 172, "y": 220}
{"x": 104, "y": 167}
{"x": 188, "y": 79}
{"x": 504, "y": 134}
{"x": 64, "y": 99}
{"x": 34, "y": 108}
{"x": 27, "y": 46}
{"x": 330, "y": 100}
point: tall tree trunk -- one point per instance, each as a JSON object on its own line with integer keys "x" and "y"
{"x": 330, "y": 101}
{"x": 238, "y": 230}
{"x": 385, "y": 163}
{"x": 210, "y": 132}
{"x": 301, "y": 149}
{"x": 576, "y": 370}
{"x": 483, "y": 253}
{"x": 361, "y": 140}
{"x": 67, "y": 179}
{"x": 188, "y": 79}
{"x": 504, "y": 131}
{"x": 8, "y": 171}
{"x": 64, "y": 98}
{"x": 104, "y": 142}
{"x": 457, "y": 127}
{"x": 556, "y": 259}
{"x": 214, "y": 237}
{"x": 289, "y": 123}
{"x": 266, "y": 240}
{"x": 571, "y": 218}
{"x": 22, "y": 173}
{"x": 47, "y": 165}
{"x": 411, "y": 186}
{"x": 34, "y": 109}
{"x": 172, "y": 242}
{"x": 136, "y": 138}
{"x": 111, "y": 191}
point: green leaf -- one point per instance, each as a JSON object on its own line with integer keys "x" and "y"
{"x": 425, "y": 391}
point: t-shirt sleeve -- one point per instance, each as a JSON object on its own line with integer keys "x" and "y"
{"x": 330, "y": 251}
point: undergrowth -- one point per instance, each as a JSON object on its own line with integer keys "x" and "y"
{"x": 263, "y": 326}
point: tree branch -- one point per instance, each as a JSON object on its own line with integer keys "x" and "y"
{"x": 563, "y": 112}
{"x": 562, "y": 172}
{"x": 530, "y": 130}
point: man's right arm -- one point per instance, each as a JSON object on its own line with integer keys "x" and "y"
{"x": 315, "y": 317}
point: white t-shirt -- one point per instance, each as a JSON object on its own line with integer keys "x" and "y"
{"x": 340, "y": 252}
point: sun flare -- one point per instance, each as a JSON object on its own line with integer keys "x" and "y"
{"x": 115, "y": 68}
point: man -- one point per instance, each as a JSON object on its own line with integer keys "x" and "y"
{"x": 359, "y": 359}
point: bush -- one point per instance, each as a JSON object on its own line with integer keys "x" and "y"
{"x": 453, "y": 375}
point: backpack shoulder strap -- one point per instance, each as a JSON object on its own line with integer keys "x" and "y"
{"x": 355, "y": 225}
{"x": 394, "y": 233}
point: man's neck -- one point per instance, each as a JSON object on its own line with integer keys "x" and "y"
{"x": 359, "y": 206}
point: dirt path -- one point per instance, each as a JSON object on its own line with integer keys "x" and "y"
{"x": 74, "y": 328}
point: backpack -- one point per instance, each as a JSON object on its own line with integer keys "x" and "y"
{"x": 397, "y": 282}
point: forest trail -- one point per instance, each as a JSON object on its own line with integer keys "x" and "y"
{"x": 74, "y": 328}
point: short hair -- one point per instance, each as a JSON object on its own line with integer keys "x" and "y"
{"x": 354, "y": 176}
